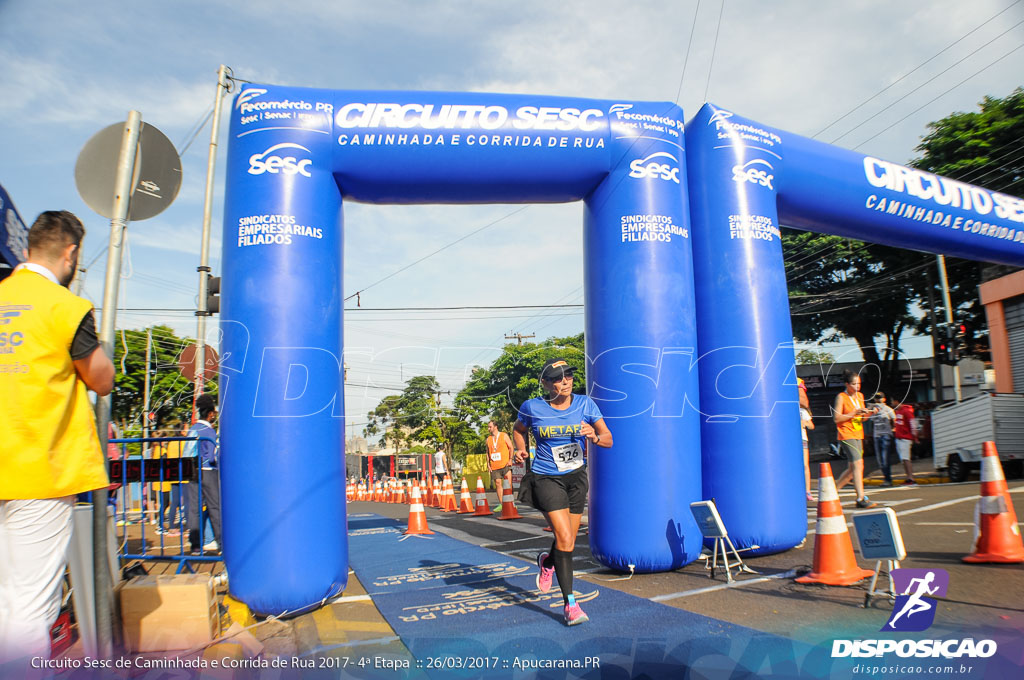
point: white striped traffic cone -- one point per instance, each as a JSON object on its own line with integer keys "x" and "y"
{"x": 834, "y": 563}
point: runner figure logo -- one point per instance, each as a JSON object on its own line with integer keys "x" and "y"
{"x": 914, "y": 611}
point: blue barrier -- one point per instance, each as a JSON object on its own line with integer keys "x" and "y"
{"x": 135, "y": 473}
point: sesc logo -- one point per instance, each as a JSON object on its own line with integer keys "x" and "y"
{"x": 755, "y": 172}
{"x": 270, "y": 162}
{"x": 914, "y": 611}
{"x": 643, "y": 168}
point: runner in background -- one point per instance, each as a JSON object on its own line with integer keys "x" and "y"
{"x": 806, "y": 423}
{"x": 499, "y": 458}
{"x": 440, "y": 466}
{"x": 849, "y": 412}
{"x": 903, "y": 430}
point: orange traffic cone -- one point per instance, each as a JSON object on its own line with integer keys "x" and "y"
{"x": 834, "y": 563}
{"x": 449, "y": 496}
{"x": 399, "y": 491}
{"x": 417, "y": 515}
{"x": 465, "y": 502}
{"x": 508, "y": 504}
{"x": 434, "y": 493}
{"x": 483, "y": 508}
{"x": 996, "y": 534}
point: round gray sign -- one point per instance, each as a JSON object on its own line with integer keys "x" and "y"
{"x": 155, "y": 182}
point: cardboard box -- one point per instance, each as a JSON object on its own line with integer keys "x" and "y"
{"x": 163, "y": 613}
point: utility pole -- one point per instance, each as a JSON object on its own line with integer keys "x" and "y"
{"x": 103, "y": 588}
{"x": 936, "y": 364}
{"x": 519, "y": 337}
{"x": 145, "y": 391}
{"x": 949, "y": 318}
{"x": 204, "y": 252}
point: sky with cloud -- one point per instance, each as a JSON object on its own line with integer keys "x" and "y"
{"x": 70, "y": 69}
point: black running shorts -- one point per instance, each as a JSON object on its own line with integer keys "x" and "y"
{"x": 557, "y": 492}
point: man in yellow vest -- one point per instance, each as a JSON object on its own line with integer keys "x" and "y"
{"x": 49, "y": 358}
{"x": 499, "y": 458}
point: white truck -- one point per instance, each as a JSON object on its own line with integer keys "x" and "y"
{"x": 959, "y": 429}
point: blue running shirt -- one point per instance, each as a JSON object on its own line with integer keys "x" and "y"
{"x": 560, "y": 445}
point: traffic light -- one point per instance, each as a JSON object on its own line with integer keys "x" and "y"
{"x": 945, "y": 345}
{"x": 960, "y": 339}
{"x": 940, "y": 349}
{"x": 212, "y": 294}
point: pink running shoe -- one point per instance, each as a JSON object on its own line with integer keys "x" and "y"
{"x": 545, "y": 574}
{"x": 574, "y": 615}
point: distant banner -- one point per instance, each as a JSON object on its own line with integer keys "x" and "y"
{"x": 13, "y": 232}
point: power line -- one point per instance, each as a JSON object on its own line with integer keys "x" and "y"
{"x": 195, "y": 132}
{"x": 418, "y": 309}
{"x": 689, "y": 44}
{"x": 916, "y": 68}
{"x": 714, "y": 48}
{"x": 444, "y": 247}
{"x": 937, "y": 75}
{"x": 465, "y": 318}
{"x": 973, "y": 75}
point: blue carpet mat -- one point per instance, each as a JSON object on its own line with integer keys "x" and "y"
{"x": 468, "y": 612}
{"x": 477, "y": 613}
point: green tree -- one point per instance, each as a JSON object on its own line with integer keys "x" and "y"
{"x": 417, "y": 416}
{"x": 170, "y": 392}
{"x": 498, "y": 390}
{"x": 841, "y": 288}
{"x": 985, "y": 148}
{"x": 386, "y": 420}
{"x": 807, "y": 357}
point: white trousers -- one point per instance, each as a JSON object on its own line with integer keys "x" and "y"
{"x": 34, "y": 538}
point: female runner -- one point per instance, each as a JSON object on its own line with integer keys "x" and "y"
{"x": 560, "y": 422}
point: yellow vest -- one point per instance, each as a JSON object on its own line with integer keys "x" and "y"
{"x": 173, "y": 450}
{"x": 50, "y": 448}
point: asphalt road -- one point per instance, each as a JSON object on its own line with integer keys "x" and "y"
{"x": 936, "y": 521}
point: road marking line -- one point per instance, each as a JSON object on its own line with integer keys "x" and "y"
{"x": 936, "y": 506}
{"x": 887, "y": 504}
{"x": 521, "y": 528}
{"x": 721, "y": 586}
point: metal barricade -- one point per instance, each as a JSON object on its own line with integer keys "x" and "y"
{"x": 137, "y": 476}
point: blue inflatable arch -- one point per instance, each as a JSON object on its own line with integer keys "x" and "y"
{"x": 746, "y": 178}
{"x": 669, "y": 362}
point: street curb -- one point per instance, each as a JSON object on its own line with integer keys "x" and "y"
{"x": 933, "y": 479}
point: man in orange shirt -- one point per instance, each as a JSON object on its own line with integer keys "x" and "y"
{"x": 849, "y": 413}
{"x": 499, "y": 457}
